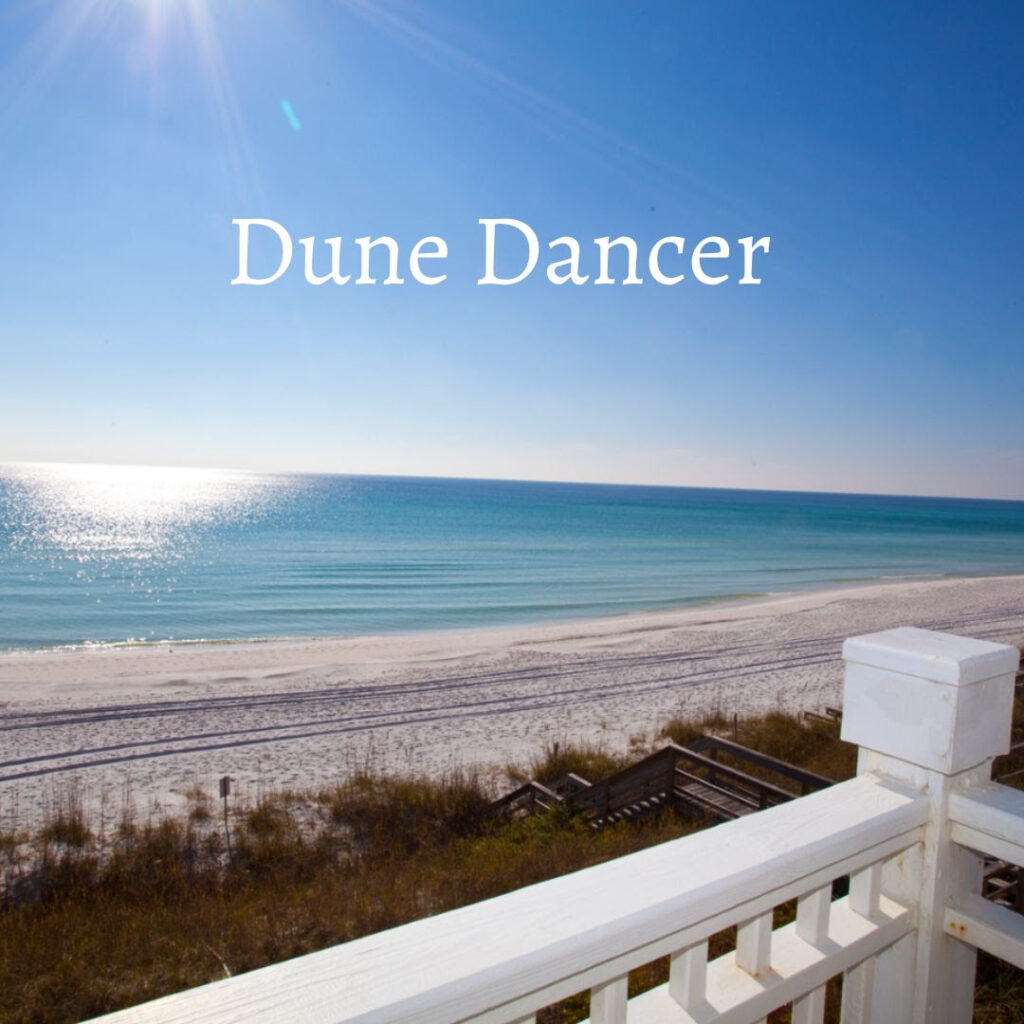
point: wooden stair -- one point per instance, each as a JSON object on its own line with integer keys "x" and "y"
{"x": 704, "y": 778}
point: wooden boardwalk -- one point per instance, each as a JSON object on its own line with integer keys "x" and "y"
{"x": 712, "y": 777}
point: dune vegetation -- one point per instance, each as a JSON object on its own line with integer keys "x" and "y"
{"x": 92, "y": 922}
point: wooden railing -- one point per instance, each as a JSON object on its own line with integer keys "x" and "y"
{"x": 806, "y": 781}
{"x": 929, "y": 711}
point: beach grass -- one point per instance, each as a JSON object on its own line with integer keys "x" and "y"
{"x": 101, "y": 922}
{"x": 91, "y": 922}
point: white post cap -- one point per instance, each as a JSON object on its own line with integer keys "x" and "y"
{"x": 940, "y": 701}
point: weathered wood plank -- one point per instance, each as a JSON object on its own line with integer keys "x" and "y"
{"x": 713, "y": 792}
{"x": 690, "y": 796}
{"x": 728, "y": 771}
{"x": 784, "y": 768}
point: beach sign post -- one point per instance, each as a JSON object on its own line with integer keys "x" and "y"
{"x": 225, "y": 792}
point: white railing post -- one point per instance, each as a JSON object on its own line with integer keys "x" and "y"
{"x": 929, "y": 710}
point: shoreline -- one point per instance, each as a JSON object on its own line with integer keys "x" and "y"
{"x": 155, "y": 722}
{"x": 97, "y": 647}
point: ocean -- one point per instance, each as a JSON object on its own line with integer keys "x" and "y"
{"x": 109, "y": 555}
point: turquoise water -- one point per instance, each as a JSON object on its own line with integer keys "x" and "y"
{"x": 92, "y": 554}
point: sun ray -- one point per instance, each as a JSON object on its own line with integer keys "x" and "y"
{"x": 556, "y": 119}
{"x": 147, "y": 33}
{"x": 218, "y": 79}
{"x": 70, "y": 23}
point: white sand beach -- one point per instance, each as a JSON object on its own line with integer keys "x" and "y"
{"x": 150, "y": 723}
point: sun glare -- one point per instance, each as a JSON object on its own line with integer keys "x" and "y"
{"x": 161, "y": 43}
{"x": 91, "y": 512}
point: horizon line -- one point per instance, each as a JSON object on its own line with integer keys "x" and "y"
{"x": 509, "y": 480}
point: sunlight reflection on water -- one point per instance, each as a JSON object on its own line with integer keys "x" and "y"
{"x": 102, "y": 514}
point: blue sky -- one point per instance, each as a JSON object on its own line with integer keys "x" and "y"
{"x": 880, "y": 146}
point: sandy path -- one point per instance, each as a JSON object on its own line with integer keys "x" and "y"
{"x": 153, "y": 722}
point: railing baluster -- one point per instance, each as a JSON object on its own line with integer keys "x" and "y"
{"x": 687, "y": 975}
{"x": 754, "y": 945}
{"x": 857, "y": 985}
{"x": 608, "y": 1001}
{"x": 865, "y": 888}
{"x": 812, "y": 913}
{"x": 809, "y": 1009}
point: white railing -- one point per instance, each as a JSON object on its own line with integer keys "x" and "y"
{"x": 929, "y": 711}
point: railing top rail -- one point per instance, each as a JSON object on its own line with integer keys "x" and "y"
{"x": 578, "y": 780}
{"x": 730, "y": 772}
{"x": 789, "y": 771}
{"x": 528, "y": 787}
{"x": 990, "y": 819}
{"x": 459, "y": 965}
{"x": 649, "y": 767}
